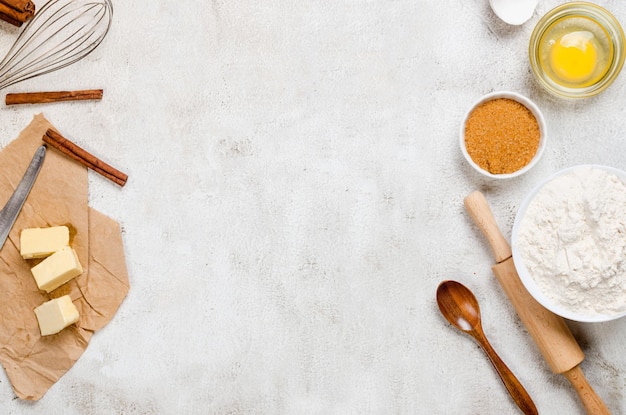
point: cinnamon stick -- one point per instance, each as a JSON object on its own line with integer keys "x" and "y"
{"x": 22, "y": 5}
{"x": 10, "y": 20}
{"x": 77, "y": 153}
{"x": 53, "y": 96}
{"x": 16, "y": 12}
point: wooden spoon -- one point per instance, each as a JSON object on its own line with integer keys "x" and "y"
{"x": 460, "y": 307}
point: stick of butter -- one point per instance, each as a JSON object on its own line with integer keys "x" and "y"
{"x": 41, "y": 242}
{"x": 56, "y": 314}
{"x": 57, "y": 269}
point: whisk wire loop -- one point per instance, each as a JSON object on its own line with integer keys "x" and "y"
{"x": 61, "y": 33}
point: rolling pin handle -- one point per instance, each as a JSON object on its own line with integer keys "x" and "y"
{"x": 478, "y": 208}
{"x": 589, "y": 398}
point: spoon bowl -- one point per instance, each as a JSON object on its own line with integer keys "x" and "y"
{"x": 460, "y": 307}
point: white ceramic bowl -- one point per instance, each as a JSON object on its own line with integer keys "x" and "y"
{"x": 527, "y": 279}
{"x": 528, "y": 104}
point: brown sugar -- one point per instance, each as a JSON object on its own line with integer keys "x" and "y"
{"x": 501, "y": 136}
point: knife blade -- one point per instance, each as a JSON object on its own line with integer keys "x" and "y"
{"x": 9, "y": 213}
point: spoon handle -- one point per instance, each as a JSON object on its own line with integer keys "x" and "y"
{"x": 512, "y": 384}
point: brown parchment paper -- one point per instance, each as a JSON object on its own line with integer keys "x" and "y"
{"x": 59, "y": 197}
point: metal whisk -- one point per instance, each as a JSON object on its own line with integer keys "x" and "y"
{"x": 61, "y": 33}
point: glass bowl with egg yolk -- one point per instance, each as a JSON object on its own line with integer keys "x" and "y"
{"x": 577, "y": 50}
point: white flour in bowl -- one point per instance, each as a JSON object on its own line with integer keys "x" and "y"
{"x": 572, "y": 240}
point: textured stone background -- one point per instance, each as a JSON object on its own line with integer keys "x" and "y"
{"x": 295, "y": 198}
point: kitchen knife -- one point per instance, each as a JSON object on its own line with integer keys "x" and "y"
{"x": 553, "y": 337}
{"x": 9, "y": 213}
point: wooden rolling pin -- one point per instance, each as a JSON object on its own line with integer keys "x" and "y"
{"x": 553, "y": 337}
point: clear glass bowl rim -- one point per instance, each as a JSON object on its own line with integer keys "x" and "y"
{"x": 601, "y": 16}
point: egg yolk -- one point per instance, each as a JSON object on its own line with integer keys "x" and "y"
{"x": 573, "y": 57}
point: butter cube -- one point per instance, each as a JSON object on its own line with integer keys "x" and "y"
{"x": 57, "y": 269}
{"x": 41, "y": 242}
{"x": 56, "y": 314}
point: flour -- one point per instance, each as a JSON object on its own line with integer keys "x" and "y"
{"x": 572, "y": 240}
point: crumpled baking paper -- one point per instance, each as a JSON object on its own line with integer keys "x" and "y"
{"x": 59, "y": 197}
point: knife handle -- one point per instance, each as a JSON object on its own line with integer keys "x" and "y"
{"x": 479, "y": 210}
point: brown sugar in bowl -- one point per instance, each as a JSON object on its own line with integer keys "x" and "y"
{"x": 503, "y": 135}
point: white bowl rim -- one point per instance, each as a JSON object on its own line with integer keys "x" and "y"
{"x": 523, "y": 272}
{"x": 528, "y": 103}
